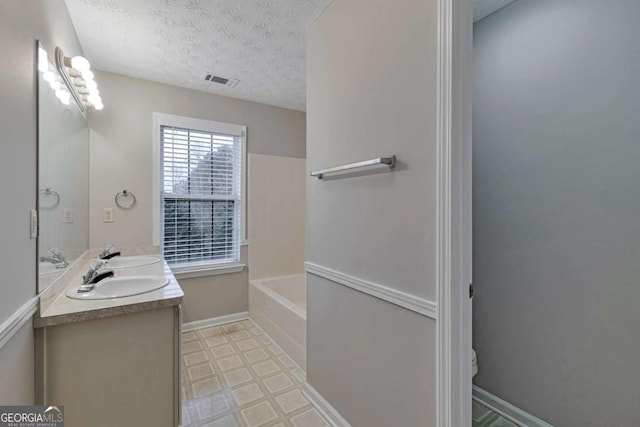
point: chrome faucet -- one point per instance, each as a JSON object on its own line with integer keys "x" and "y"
{"x": 55, "y": 258}
{"x": 107, "y": 254}
{"x": 92, "y": 277}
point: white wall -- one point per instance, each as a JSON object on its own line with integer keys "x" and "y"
{"x": 213, "y": 296}
{"x": 21, "y": 23}
{"x": 276, "y": 218}
{"x": 122, "y": 144}
{"x": 371, "y": 92}
{"x": 121, "y": 157}
{"x": 557, "y": 208}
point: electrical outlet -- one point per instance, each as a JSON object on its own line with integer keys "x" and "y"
{"x": 107, "y": 215}
{"x": 33, "y": 223}
{"x": 67, "y": 215}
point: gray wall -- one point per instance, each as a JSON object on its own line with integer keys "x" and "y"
{"x": 372, "y": 93}
{"x": 557, "y": 209}
{"x": 122, "y": 157}
{"x": 21, "y": 23}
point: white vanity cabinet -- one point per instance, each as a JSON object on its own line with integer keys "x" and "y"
{"x": 122, "y": 370}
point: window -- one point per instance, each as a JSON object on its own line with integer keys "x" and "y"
{"x": 200, "y": 193}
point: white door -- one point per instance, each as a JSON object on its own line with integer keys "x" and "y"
{"x": 388, "y": 250}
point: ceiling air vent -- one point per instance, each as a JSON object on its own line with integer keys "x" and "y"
{"x": 212, "y": 78}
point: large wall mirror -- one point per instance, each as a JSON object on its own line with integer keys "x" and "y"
{"x": 63, "y": 175}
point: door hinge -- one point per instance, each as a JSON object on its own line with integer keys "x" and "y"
{"x": 470, "y": 290}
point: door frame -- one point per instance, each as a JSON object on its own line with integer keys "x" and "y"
{"x": 454, "y": 215}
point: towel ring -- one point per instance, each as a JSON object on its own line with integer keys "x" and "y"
{"x": 124, "y": 194}
{"x": 49, "y": 192}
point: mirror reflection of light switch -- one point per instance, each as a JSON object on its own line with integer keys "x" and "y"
{"x": 67, "y": 215}
{"x": 107, "y": 215}
{"x": 33, "y": 223}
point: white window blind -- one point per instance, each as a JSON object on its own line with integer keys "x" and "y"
{"x": 201, "y": 196}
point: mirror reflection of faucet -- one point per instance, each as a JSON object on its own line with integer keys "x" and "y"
{"x": 107, "y": 254}
{"x": 93, "y": 276}
{"x": 55, "y": 258}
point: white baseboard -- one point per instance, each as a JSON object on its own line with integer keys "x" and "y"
{"x": 507, "y": 410}
{"x": 324, "y": 407}
{"x": 214, "y": 321}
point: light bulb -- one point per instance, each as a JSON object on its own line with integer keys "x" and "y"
{"x": 55, "y": 85}
{"x": 91, "y": 84}
{"x": 87, "y": 75}
{"x": 48, "y": 76}
{"x": 80, "y": 63}
{"x": 98, "y": 106}
{"x": 94, "y": 99}
{"x": 63, "y": 96}
{"x": 95, "y": 92}
{"x": 43, "y": 60}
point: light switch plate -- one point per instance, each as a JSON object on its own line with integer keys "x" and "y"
{"x": 107, "y": 215}
{"x": 33, "y": 223}
{"x": 67, "y": 215}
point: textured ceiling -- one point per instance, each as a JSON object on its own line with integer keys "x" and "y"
{"x": 484, "y": 8}
{"x": 260, "y": 42}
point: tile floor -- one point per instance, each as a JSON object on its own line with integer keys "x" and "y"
{"x": 485, "y": 417}
{"x": 234, "y": 375}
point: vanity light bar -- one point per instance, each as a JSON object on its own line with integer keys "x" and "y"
{"x": 78, "y": 77}
{"x": 50, "y": 75}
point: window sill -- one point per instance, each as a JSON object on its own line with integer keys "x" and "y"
{"x": 190, "y": 272}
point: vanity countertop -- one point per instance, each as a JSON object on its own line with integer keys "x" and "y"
{"x": 62, "y": 309}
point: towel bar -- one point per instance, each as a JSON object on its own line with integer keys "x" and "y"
{"x": 389, "y": 161}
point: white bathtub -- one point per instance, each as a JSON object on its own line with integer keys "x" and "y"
{"x": 279, "y": 306}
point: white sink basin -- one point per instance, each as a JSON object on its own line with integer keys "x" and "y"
{"x": 129, "y": 262}
{"x": 120, "y": 287}
{"x": 46, "y": 268}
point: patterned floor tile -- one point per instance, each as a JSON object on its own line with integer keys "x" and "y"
{"x": 235, "y": 376}
{"x": 228, "y": 363}
{"x": 247, "y": 394}
{"x": 208, "y": 386}
{"x": 190, "y": 347}
{"x": 310, "y": 418}
{"x": 483, "y": 416}
{"x": 195, "y": 358}
{"x": 259, "y": 414}
{"x": 265, "y": 368}
{"x": 277, "y": 383}
{"x": 502, "y": 422}
{"x": 291, "y": 401}
{"x": 239, "y": 377}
